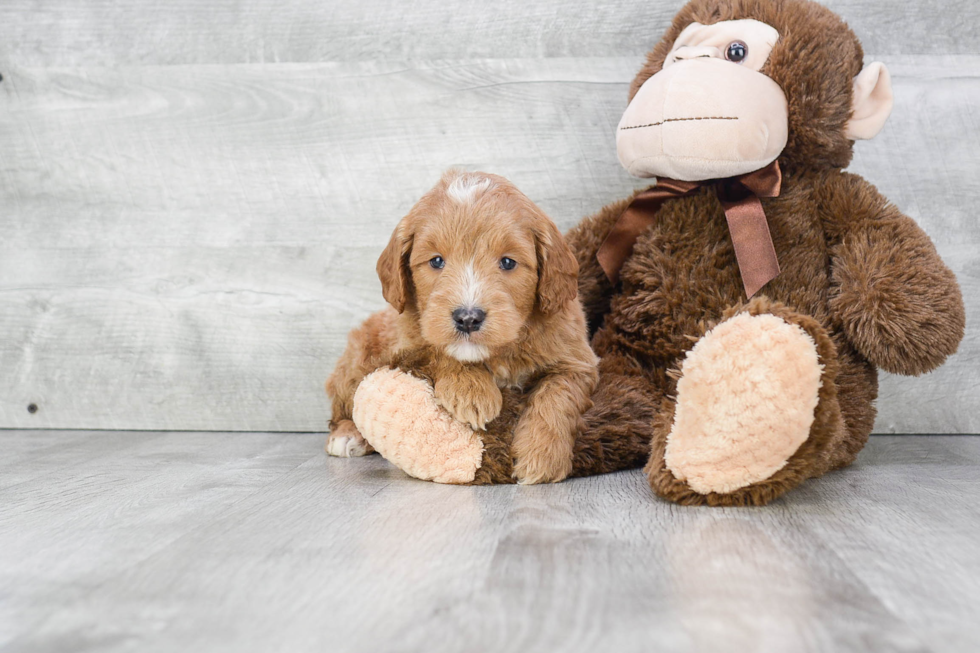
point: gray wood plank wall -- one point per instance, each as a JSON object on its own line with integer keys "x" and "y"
{"x": 192, "y": 195}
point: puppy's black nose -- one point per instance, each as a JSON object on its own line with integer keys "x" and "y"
{"x": 469, "y": 320}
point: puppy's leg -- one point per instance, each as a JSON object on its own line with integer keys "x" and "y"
{"x": 367, "y": 346}
{"x": 468, "y": 393}
{"x": 544, "y": 441}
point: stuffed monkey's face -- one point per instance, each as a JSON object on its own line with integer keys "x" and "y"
{"x": 709, "y": 113}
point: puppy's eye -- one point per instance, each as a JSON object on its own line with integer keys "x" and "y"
{"x": 437, "y": 262}
{"x": 507, "y": 263}
{"x": 737, "y": 51}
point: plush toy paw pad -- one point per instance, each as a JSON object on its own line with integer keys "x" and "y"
{"x": 745, "y": 403}
{"x": 398, "y": 415}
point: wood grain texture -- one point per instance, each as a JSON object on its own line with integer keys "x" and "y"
{"x": 186, "y": 247}
{"x": 106, "y": 32}
{"x": 81, "y": 507}
{"x": 259, "y": 542}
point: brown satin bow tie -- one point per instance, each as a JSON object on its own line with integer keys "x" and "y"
{"x": 739, "y": 196}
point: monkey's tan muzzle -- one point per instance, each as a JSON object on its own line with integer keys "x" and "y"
{"x": 701, "y": 119}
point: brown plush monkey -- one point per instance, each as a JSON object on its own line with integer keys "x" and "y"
{"x": 742, "y": 307}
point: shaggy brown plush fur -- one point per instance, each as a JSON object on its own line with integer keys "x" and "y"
{"x": 863, "y": 280}
{"x": 859, "y": 277}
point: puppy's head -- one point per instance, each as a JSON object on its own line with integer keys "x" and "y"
{"x": 477, "y": 260}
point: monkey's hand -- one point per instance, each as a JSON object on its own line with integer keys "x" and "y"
{"x": 899, "y": 304}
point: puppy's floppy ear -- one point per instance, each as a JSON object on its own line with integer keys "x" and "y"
{"x": 557, "y": 266}
{"x": 393, "y": 267}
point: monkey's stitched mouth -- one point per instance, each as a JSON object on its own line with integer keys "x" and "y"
{"x": 657, "y": 124}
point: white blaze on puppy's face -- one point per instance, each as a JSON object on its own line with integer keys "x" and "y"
{"x": 710, "y": 112}
{"x": 470, "y": 288}
{"x": 470, "y": 296}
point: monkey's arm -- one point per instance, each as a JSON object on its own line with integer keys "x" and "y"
{"x": 897, "y": 301}
{"x": 594, "y": 288}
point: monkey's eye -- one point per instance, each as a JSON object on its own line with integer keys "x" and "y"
{"x": 437, "y": 262}
{"x": 507, "y": 263}
{"x": 737, "y": 51}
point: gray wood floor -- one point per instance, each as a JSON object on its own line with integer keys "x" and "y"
{"x": 126, "y": 541}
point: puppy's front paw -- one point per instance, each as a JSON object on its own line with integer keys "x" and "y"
{"x": 345, "y": 441}
{"x": 540, "y": 454}
{"x": 470, "y": 399}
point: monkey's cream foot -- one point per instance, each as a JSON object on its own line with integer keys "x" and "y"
{"x": 346, "y": 442}
{"x": 745, "y": 403}
{"x": 398, "y": 414}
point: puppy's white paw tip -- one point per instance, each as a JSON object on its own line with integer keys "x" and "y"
{"x": 344, "y": 446}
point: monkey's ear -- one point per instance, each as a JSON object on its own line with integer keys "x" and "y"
{"x": 557, "y": 266}
{"x": 872, "y": 102}
{"x": 393, "y": 268}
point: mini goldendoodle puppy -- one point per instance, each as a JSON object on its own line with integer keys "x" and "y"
{"x": 481, "y": 280}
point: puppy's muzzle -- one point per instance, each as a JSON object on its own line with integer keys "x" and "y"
{"x": 469, "y": 320}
